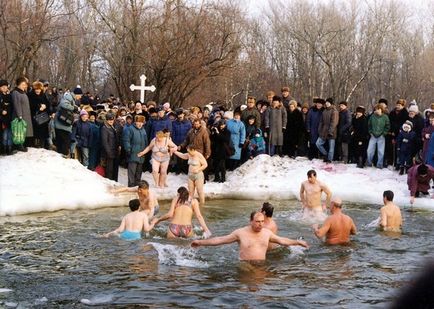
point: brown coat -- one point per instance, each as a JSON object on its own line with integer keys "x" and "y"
{"x": 200, "y": 139}
{"x": 329, "y": 123}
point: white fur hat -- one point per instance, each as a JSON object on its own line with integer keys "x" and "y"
{"x": 413, "y": 108}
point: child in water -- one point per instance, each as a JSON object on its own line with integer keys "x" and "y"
{"x": 133, "y": 223}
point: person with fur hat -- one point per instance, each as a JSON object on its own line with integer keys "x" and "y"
{"x": 39, "y": 104}
{"x": 406, "y": 146}
{"x": 328, "y": 130}
{"x": 5, "y": 116}
{"x": 220, "y": 140}
{"x": 110, "y": 146}
{"x": 359, "y": 136}
{"x": 312, "y": 126}
{"x": 135, "y": 140}
{"x": 378, "y": 127}
{"x": 82, "y": 133}
{"x": 275, "y": 126}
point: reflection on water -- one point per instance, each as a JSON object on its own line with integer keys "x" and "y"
{"x": 59, "y": 260}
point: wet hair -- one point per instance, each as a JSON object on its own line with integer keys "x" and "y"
{"x": 422, "y": 169}
{"x": 143, "y": 184}
{"x": 183, "y": 195}
{"x": 388, "y": 195}
{"x": 268, "y": 209}
{"x": 134, "y": 204}
{"x": 311, "y": 173}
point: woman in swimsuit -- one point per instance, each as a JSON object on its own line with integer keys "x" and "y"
{"x": 181, "y": 214}
{"x": 162, "y": 148}
{"x": 196, "y": 164}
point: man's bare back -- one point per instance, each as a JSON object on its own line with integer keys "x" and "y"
{"x": 391, "y": 219}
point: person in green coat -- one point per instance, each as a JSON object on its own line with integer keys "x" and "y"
{"x": 378, "y": 126}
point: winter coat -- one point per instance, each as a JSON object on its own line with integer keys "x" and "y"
{"x": 359, "y": 130}
{"x": 5, "y": 105}
{"x": 426, "y": 131}
{"x": 200, "y": 139}
{"x": 397, "y": 119}
{"x": 416, "y": 182}
{"x": 67, "y": 102}
{"x": 251, "y": 112}
{"x": 312, "y": 123}
{"x": 159, "y": 125}
{"x": 257, "y": 144}
{"x": 218, "y": 141}
{"x": 238, "y": 136}
{"x": 406, "y": 142}
{"x": 418, "y": 125}
{"x": 95, "y": 147}
{"x": 275, "y": 122}
{"x": 180, "y": 130}
{"x": 21, "y": 108}
{"x": 82, "y": 133}
{"x": 134, "y": 140}
{"x": 294, "y": 127}
{"x": 329, "y": 123}
{"x": 378, "y": 125}
{"x": 35, "y": 101}
{"x": 344, "y": 126}
{"x": 429, "y": 156}
{"x": 109, "y": 141}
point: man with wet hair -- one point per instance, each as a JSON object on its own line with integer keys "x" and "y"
{"x": 269, "y": 223}
{"x": 253, "y": 239}
{"x": 310, "y": 195}
{"x": 390, "y": 219}
{"x": 338, "y": 227}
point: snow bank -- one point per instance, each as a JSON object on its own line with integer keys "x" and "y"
{"x": 42, "y": 180}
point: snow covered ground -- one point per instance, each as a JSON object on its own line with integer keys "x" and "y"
{"x": 42, "y": 180}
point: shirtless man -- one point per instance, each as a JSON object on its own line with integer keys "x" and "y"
{"x": 267, "y": 210}
{"x": 390, "y": 219}
{"x": 337, "y": 227}
{"x": 253, "y": 240}
{"x": 310, "y": 194}
{"x": 133, "y": 223}
{"x": 148, "y": 199}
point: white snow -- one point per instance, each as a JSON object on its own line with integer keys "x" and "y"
{"x": 42, "y": 180}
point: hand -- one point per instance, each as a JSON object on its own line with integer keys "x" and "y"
{"x": 315, "y": 226}
{"x": 207, "y": 234}
{"x": 412, "y": 200}
{"x": 20, "y": 118}
{"x": 154, "y": 221}
{"x": 265, "y": 134}
{"x": 4, "y": 112}
{"x": 195, "y": 244}
{"x": 303, "y": 243}
{"x": 427, "y": 136}
{"x": 140, "y": 154}
{"x": 43, "y": 107}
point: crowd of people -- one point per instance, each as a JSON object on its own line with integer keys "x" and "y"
{"x": 209, "y": 140}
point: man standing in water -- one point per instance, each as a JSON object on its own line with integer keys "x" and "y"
{"x": 310, "y": 195}
{"x": 253, "y": 240}
{"x": 267, "y": 210}
{"x": 338, "y": 227}
{"x": 390, "y": 219}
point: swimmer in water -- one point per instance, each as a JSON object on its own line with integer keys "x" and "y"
{"x": 148, "y": 199}
{"x": 310, "y": 195}
{"x": 133, "y": 223}
{"x": 269, "y": 223}
{"x": 253, "y": 239}
{"x": 338, "y": 227}
{"x": 181, "y": 213}
{"x": 391, "y": 219}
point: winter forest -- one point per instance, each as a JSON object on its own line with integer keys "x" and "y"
{"x": 196, "y": 52}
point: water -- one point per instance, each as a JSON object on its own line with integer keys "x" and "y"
{"x": 58, "y": 260}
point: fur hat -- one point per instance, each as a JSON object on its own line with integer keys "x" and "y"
{"x": 228, "y": 115}
{"x": 110, "y": 116}
{"x": 78, "y": 90}
{"x": 360, "y": 109}
{"x": 414, "y": 109}
{"x": 318, "y": 100}
{"x": 330, "y": 100}
{"x": 37, "y": 85}
{"x": 3, "y": 82}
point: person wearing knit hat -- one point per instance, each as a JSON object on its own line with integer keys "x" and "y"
{"x": 418, "y": 123}
{"x": 83, "y": 112}
{"x": 413, "y": 109}
{"x": 83, "y": 135}
{"x": 406, "y": 146}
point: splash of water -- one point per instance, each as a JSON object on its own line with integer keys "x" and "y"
{"x": 374, "y": 224}
{"x": 3, "y": 290}
{"x": 176, "y": 255}
{"x": 97, "y": 300}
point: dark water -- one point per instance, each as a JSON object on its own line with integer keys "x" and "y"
{"x": 57, "y": 260}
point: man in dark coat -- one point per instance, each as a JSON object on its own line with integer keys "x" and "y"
{"x": 312, "y": 125}
{"x": 344, "y": 126}
{"x": 359, "y": 136}
{"x": 5, "y": 117}
{"x": 220, "y": 140}
{"x": 328, "y": 130}
{"x": 294, "y": 129}
{"x": 180, "y": 128}
{"x": 397, "y": 117}
{"x": 110, "y": 142}
{"x": 21, "y": 109}
{"x": 275, "y": 125}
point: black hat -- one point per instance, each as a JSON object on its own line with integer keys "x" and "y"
{"x": 277, "y": 98}
{"x": 3, "y": 82}
{"x": 318, "y": 100}
{"x": 360, "y": 109}
{"x": 110, "y": 116}
{"x": 159, "y": 108}
{"x": 92, "y": 113}
{"x": 78, "y": 90}
{"x": 128, "y": 116}
{"x": 179, "y": 111}
{"x": 330, "y": 100}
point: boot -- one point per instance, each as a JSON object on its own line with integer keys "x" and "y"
{"x": 9, "y": 150}
{"x": 360, "y": 162}
{"x": 22, "y": 148}
{"x": 401, "y": 170}
{"x": 223, "y": 179}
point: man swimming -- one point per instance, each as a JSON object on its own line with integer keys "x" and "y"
{"x": 253, "y": 240}
{"x": 391, "y": 219}
{"x": 133, "y": 223}
{"x": 310, "y": 195}
{"x": 338, "y": 227}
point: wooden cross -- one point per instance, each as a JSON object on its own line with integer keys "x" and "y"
{"x": 142, "y": 88}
